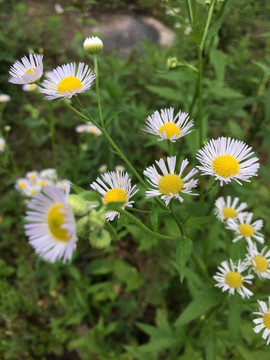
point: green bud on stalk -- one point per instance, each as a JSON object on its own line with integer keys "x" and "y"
{"x": 78, "y": 205}
{"x": 100, "y": 239}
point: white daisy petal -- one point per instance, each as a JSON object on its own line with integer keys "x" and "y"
{"x": 223, "y": 158}
{"x": 231, "y": 278}
{"x": 115, "y": 187}
{"x": 166, "y": 126}
{"x": 169, "y": 184}
{"x": 225, "y": 209}
{"x": 51, "y": 230}
{"x": 27, "y": 72}
{"x": 65, "y": 81}
{"x": 243, "y": 227}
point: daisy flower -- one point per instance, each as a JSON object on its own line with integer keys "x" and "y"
{"x": 22, "y": 184}
{"x": 51, "y": 227}
{"x": 169, "y": 184}
{"x": 227, "y": 159}
{"x": 64, "y": 185}
{"x": 32, "y": 189}
{"x": 32, "y": 176}
{"x": 29, "y": 87}
{"x": 263, "y": 322}
{"x": 228, "y": 209}
{"x": 115, "y": 186}
{"x": 259, "y": 261}
{"x": 166, "y": 126}
{"x": 43, "y": 182}
{"x": 93, "y": 129}
{"x": 230, "y": 278}
{"x": 4, "y": 98}
{"x": 48, "y": 174}
{"x": 119, "y": 168}
{"x": 80, "y": 129}
{"x": 2, "y": 144}
{"x": 244, "y": 228}
{"x": 27, "y": 71}
{"x": 66, "y": 81}
{"x": 103, "y": 168}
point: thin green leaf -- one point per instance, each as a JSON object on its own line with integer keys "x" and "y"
{"x": 112, "y": 117}
{"x": 183, "y": 253}
{"x": 200, "y": 306}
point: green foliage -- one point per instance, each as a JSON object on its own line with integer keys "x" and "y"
{"x": 126, "y": 302}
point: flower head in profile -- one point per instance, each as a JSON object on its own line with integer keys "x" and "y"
{"x": 228, "y": 159}
{"x": 67, "y": 80}
{"x": 230, "y": 278}
{"x": 259, "y": 261}
{"x": 103, "y": 168}
{"x": 28, "y": 71}
{"x": 243, "y": 227}
{"x": 115, "y": 186}
{"x": 22, "y": 184}
{"x": 167, "y": 126}
{"x": 263, "y": 322}
{"x": 93, "y": 45}
{"x": 48, "y": 174}
{"x": 2, "y": 144}
{"x": 228, "y": 209}
{"x": 4, "y": 98}
{"x": 168, "y": 184}
{"x": 29, "y": 87}
{"x": 119, "y": 168}
{"x": 51, "y": 227}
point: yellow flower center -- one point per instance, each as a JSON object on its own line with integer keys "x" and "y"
{"x": 43, "y": 183}
{"x": 229, "y": 213}
{"x": 33, "y": 192}
{"x": 260, "y": 263}
{"x": 32, "y": 176}
{"x": 226, "y": 165}
{"x": 68, "y": 84}
{"x": 115, "y": 195}
{"x": 266, "y": 319}
{"x": 246, "y": 230}
{"x": 171, "y": 129}
{"x": 170, "y": 184}
{"x": 32, "y": 86}
{"x": 22, "y": 185}
{"x": 31, "y": 71}
{"x": 56, "y": 219}
{"x": 234, "y": 279}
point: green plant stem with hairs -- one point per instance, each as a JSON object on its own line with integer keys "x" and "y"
{"x": 145, "y": 228}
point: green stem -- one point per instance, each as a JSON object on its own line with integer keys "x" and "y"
{"x": 77, "y": 111}
{"x": 146, "y": 229}
{"x": 207, "y": 24}
{"x": 198, "y": 263}
{"x": 52, "y": 132}
{"x": 111, "y": 230}
{"x": 123, "y": 157}
{"x": 97, "y": 90}
{"x": 140, "y": 210}
{"x": 169, "y": 147}
{"x": 178, "y": 222}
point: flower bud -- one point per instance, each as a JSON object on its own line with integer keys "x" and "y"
{"x": 82, "y": 227}
{"x": 172, "y": 63}
{"x": 93, "y": 45}
{"x": 100, "y": 239}
{"x": 78, "y": 205}
{"x": 97, "y": 219}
